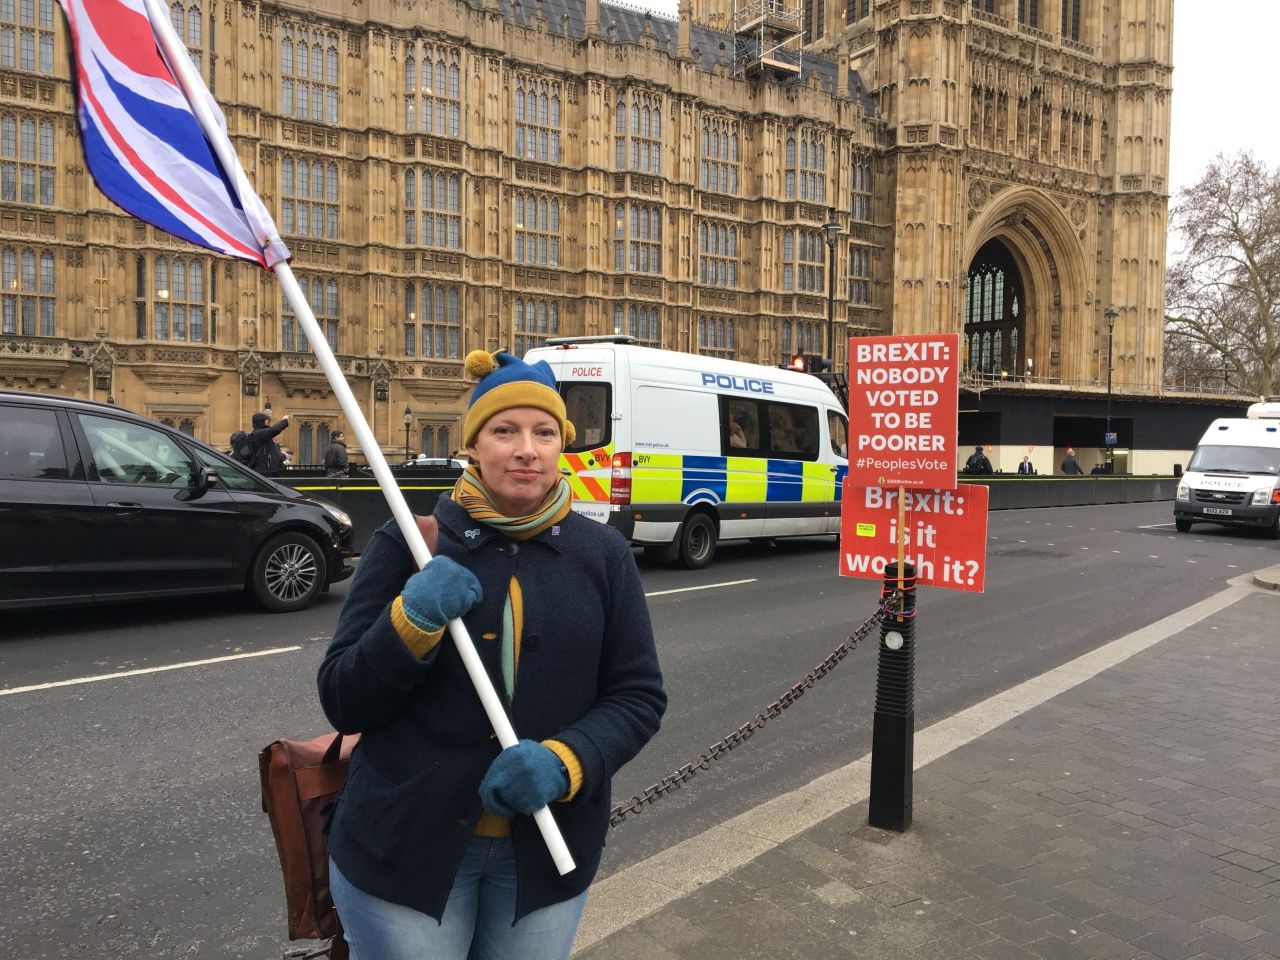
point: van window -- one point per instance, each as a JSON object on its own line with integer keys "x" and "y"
{"x": 793, "y": 431}
{"x": 1224, "y": 459}
{"x": 589, "y": 410}
{"x": 31, "y": 445}
{"x": 838, "y": 427}
{"x": 739, "y": 427}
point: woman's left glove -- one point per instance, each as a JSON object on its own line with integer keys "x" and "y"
{"x": 522, "y": 779}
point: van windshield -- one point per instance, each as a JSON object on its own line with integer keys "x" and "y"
{"x": 1235, "y": 460}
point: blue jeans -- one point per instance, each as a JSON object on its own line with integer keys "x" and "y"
{"x": 477, "y": 919}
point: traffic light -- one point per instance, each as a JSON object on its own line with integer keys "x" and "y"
{"x": 807, "y": 363}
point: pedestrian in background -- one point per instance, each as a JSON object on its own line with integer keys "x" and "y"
{"x": 1026, "y": 468}
{"x": 978, "y": 462}
{"x": 269, "y": 458}
{"x": 433, "y": 853}
{"x": 1070, "y": 466}
{"x": 335, "y": 457}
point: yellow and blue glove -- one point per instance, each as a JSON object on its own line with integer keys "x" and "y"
{"x": 522, "y": 779}
{"x": 436, "y": 594}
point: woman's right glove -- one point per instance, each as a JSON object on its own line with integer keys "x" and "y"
{"x": 439, "y": 592}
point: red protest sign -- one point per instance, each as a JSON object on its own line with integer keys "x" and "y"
{"x": 946, "y": 534}
{"x": 903, "y": 400}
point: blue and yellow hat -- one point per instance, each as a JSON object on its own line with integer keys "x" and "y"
{"x": 507, "y": 382}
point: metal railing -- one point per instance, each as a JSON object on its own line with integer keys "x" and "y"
{"x": 977, "y": 380}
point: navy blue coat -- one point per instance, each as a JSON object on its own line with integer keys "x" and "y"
{"x": 588, "y": 676}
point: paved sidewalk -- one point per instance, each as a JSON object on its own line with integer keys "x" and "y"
{"x": 1136, "y": 815}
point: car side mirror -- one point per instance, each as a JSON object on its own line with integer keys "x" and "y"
{"x": 205, "y": 478}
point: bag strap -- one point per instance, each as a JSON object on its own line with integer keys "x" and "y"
{"x": 333, "y": 751}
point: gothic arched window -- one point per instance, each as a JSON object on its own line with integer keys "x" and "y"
{"x": 994, "y": 311}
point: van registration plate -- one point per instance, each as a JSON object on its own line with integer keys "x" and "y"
{"x": 1218, "y": 511}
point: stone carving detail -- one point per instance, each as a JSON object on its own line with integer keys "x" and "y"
{"x": 382, "y": 373}
{"x": 250, "y": 373}
{"x": 978, "y": 194}
{"x": 102, "y": 361}
{"x": 1078, "y": 212}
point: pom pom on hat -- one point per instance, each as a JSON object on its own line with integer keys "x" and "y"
{"x": 507, "y": 382}
{"x": 480, "y": 362}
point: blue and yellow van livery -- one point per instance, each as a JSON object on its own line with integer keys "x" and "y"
{"x": 679, "y": 451}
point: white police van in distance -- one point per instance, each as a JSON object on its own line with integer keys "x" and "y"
{"x": 679, "y": 451}
{"x": 1233, "y": 478}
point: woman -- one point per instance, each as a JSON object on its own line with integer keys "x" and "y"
{"x": 432, "y": 853}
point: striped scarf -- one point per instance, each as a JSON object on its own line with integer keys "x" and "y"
{"x": 470, "y": 494}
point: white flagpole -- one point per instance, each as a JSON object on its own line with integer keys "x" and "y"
{"x": 196, "y": 92}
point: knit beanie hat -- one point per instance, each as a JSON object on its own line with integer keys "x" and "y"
{"x": 259, "y": 420}
{"x": 507, "y": 382}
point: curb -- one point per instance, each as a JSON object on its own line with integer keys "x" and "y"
{"x": 1269, "y": 578}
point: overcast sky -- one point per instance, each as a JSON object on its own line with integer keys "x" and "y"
{"x": 1222, "y": 82}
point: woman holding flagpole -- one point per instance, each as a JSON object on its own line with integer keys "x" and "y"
{"x": 433, "y": 853}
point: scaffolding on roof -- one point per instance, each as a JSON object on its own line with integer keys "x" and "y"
{"x": 762, "y": 31}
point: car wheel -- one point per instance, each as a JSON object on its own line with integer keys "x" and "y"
{"x": 697, "y": 541}
{"x": 289, "y": 573}
{"x": 1182, "y": 526}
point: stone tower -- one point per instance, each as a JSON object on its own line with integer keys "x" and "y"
{"x": 1028, "y": 145}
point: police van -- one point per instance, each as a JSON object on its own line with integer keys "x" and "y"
{"x": 679, "y": 451}
{"x": 1233, "y": 477}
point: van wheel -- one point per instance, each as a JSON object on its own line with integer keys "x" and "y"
{"x": 697, "y": 541}
{"x": 1182, "y": 526}
{"x": 289, "y": 573}
{"x": 1273, "y": 531}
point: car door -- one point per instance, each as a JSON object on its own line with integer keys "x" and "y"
{"x": 47, "y": 535}
{"x": 162, "y": 530}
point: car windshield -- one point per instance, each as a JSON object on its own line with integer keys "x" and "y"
{"x": 1213, "y": 459}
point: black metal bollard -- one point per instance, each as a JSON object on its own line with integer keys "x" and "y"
{"x": 893, "y": 734}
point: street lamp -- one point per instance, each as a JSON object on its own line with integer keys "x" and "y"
{"x": 832, "y": 229}
{"x": 408, "y": 422}
{"x": 1111, "y": 328}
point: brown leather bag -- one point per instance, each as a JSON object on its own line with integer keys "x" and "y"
{"x": 300, "y": 779}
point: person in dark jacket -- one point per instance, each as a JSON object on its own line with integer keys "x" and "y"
{"x": 1071, "y": 466}
{"x": 335, "y": 458}
{"x": 433, "y": 853}
{"x": 978, "y": 462}
{"x": 269, "y": 459}
{"x": 1026, "y": 468}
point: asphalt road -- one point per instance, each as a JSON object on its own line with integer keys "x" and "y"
{"x": 129, "y": 815}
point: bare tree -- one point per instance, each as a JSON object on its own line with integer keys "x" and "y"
{"x": 1223, "y": 292}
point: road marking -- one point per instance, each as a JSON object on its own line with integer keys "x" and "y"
{"x": 1155, "y": 526}
{"x": 643, "y": 888}
{"x": 137, "y": 673}
{"x": 705, "y": 586}
{"x": 1193, "y": 561}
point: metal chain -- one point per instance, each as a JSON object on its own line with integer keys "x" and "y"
{"x": 684, "y": 774}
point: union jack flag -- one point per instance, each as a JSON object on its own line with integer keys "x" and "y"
{"x": 143, "y": 143}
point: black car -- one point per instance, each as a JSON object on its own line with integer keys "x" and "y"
{"x": 98, "y": 504}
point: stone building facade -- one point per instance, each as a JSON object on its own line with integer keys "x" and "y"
{"x": 462, "y": 174}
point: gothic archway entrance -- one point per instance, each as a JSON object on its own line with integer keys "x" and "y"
{"x": 995, "y": 313}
